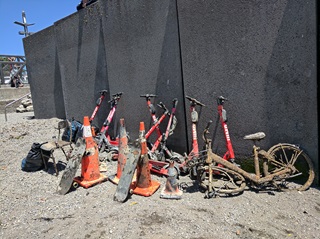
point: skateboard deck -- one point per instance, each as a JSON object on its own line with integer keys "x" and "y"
{"x": 125, "y": 181}
{"x": 72, "y": 167}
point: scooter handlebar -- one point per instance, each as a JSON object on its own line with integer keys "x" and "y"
{"x": 148, "y": 96}
{"x": 174, "y": 102}
{"x": 194, "y": 101}
{"x": 221, "y": 100}
{"x": 103, "y": 92}
{"x": 115, "y": 97}
{"x": 162, "y": 106}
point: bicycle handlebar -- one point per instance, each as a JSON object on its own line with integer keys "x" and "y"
{"x": 148, "y": 96}
{"x": 208, "y": 125}
{"x": 206, "y": 131}
{"x": 194, "y": 101}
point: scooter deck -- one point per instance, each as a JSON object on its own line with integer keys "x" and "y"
{"x": 72, "y": 167}
{"x": 158, "y": 167}
{"x": 125, "y": 181}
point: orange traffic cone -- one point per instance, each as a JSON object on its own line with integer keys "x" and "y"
{"x": 144, "y": 185}
{"x": 122, "y": 155}
{"x": 90, "y": 173}
{"x": 171, "y": 189}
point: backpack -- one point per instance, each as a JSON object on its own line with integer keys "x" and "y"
{"x": 33, "y": 162}
{"x": 76, "y": 131}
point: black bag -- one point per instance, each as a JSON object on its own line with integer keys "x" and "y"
{"x": 76, "y": 131}
{"x": 33, "y": 162}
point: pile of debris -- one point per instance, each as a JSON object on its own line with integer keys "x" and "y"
{"x": 26, "y": 105}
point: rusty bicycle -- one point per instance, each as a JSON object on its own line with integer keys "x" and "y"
{"x": 283, "y": 167}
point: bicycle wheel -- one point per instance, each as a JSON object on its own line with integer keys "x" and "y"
{"x": 225, "y": 182}
{"x": 290, "y": 156}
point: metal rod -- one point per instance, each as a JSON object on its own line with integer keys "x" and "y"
{"x": 5, "y": 108}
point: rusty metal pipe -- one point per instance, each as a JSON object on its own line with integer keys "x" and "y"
{"x": 252, "y": 177}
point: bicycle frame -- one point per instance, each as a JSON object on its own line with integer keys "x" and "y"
{"x": 229, "y": 155}
{"x": 216, "y": 165}
{"x": 256, "y": 178}
{"x": 221, "y": 175}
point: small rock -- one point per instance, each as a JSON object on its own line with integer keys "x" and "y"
{"x": 21, "y": 109}
{"x": 26, "y": 102}
{"x": 29, "y": 108}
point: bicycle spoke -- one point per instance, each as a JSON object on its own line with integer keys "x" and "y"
{"x": 295, "y": 157}
{"x": 290, "y": 156}
{"x": 224, "y": 182}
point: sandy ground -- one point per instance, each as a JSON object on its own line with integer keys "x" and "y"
{"x": 31, "y": 208}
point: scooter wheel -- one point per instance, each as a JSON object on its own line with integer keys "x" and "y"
{"x": 75, "y": 185}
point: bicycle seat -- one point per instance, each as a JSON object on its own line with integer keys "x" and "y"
{"x": 256, "y": 136}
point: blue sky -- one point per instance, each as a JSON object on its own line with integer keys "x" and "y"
{"x": 41, "y": 12}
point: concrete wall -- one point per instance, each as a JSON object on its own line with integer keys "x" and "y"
{"x": 82, "y": 63}
{"x": 143, "y": 56}
{"x": 130, "y": 47}
{"x": 261, "y": 55}
{"x": 44, "y": 74}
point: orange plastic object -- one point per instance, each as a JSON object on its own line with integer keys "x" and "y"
{"x": 122, "y": 155}
{"x": 90, "y": 172}
{"x": 144, "y": 186}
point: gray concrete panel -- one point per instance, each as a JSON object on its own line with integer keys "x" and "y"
{"x": 44, "y": 74}
{"x": 291, "y": 80}
{"x": 82, "y": 61}
{"x": 142, "y": 51}
{"x": 261, "y": 56}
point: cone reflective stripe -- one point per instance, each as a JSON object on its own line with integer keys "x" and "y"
{"x": 144, "y": 185}
{"x": 171, "y": 189}
{"x": 87, "y": 133}
{"x": 123, "y": 150}
{"x": 90, "y": 172}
